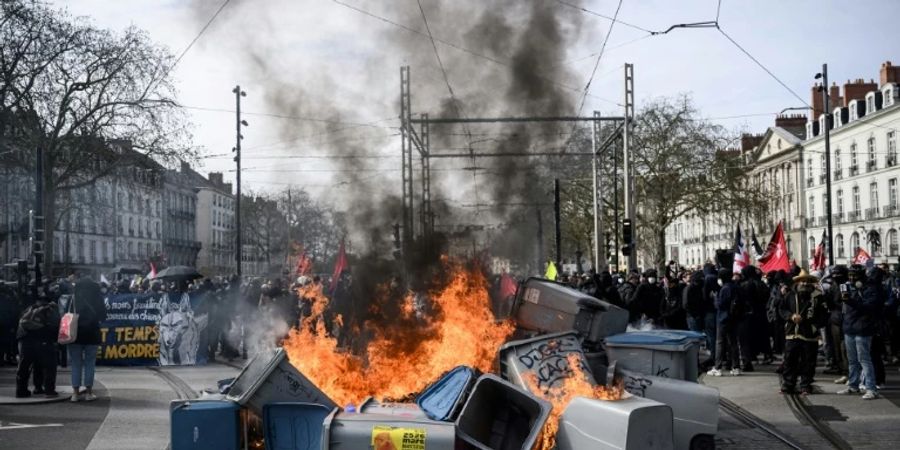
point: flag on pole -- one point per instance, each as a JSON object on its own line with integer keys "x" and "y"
{"x": 103, "y": 279}
{"x": 818, "y": 261}
{"x": 339, "y": 267}
{"x": 757, "y": 249}
{"x": 741, "y": 255}
{"x": 551, "y": 271}
{"x": 862, "y": 257}
{"x": 776, "y": 256}
{"x": 152, "y": 273}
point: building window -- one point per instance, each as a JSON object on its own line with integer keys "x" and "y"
{"x": 824, "y": 165}
{"x": 811, "y": 206}
{"x": 891, "y": 149}
{"x": 854, "y": 241}
{"x": 856, "y": 206}
{"x": 93, "y": 247}
{"x": 892, "y": 193}
{"x": 892, "y": 243}
{"x": 812, "y": 246}
{"x": 837, "y": 160}
{"x": 853, "y": 162}
{"x": 840, "y": 202}
{"x": 871, "y": 165}
{"x": 839, "y": 244}
{"x": 107, "y": 254}
{"x": 131, "y": 226}
{"x": 873, "y": 196}
{"x": 809, "y": 169}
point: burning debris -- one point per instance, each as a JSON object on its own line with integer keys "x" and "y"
{"x": 432, "y": 349}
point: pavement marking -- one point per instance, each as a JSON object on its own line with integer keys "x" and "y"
{"x": 20, "y": 426}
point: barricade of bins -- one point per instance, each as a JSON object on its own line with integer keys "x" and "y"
{"x": 663, "y": 407}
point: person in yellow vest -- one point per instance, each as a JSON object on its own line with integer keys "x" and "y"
{"x": 805, "y": 313}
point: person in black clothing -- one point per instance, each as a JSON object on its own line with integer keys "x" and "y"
{"x": 753, "y": 328}
{"x": 729, "y": 310}
{"x": 834, "y": 304}
{"x": 804, "y": 312}
{"x": 37, "y": 333}
{"x": 696, "y": 308}
{"x": 9, "y": 313}
{"x": 628, "y": 288}
{"x": 606, "y": 291}
{"x": 779, "y": 284}
{"x": 710, "y": 292}
{"x": 648, "y": 299}
{"x": 87, "y": 301}
{"x": 673, "y": 314}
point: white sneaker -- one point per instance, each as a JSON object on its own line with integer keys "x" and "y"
{"x": 89, "y": 397}
{"x": 841, "y": 380}
{"x": 75, "y": 398}
{"x": 848, "y": 391}
{"x": 736, "y": 372}
{"x": 714, "y": 372}
{"x": 870, "y": 395}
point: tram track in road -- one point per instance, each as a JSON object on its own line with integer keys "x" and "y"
{"x": 752, "y": 421}
{"x": 179, "y": 386}
{"x": 801, "y": 407}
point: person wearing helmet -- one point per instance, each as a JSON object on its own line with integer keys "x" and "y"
{"x": 861, "y": 302}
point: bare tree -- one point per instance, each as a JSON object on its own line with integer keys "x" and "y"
{"x": 311, "y": 226}
{"x": 86, "y": 100}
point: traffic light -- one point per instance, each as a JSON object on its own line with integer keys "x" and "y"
{"x": 626, "y": 237}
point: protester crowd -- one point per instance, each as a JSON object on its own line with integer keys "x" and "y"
{"x": 30, "y": 322}
{"x": 847, "y": 317}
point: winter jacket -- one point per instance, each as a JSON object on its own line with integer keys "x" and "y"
{"x": 773, "y": 307}
{"x": 862, "y": 309}
{"x": 88, "y": 303}
{"x": 753, "y": 291}
{"x": 39, "y": 323}
{"x": 692, "y": 299}
{"x": 726, "y": 300}
{"x": 648, "y": 300}
{"x": 811, "y": 307}
{"x": 710, "y": 287}
{"x": 626, "y": 293}
{"x": 673, "y": 314}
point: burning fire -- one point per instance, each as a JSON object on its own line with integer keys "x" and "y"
{"x": 578, "y": 384}
{"x": 405, "y": 352}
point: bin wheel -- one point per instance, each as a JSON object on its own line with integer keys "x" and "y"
{"x": 703, "y": 442}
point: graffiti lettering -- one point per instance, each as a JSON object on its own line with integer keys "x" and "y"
{"x": 637, "y": 385}
{"x": 662, "y": 371}
{"x": 549, "y": 360}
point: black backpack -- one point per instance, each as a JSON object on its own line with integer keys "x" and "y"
{"x": 36, "y": 317}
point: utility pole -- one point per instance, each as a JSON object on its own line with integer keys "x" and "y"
{"x": 37, "y": 221}
{"x": 826, "y": 106}
{"x": 556, "y": 219}
{"x": 596, "y": 166}
{"x": 628, "y": 169}
{"x": 615, "y": 255}
{"x": 238, "y": 93}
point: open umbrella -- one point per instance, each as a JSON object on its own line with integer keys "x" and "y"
{"x": 178, "y": 272}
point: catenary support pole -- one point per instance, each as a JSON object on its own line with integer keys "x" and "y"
{"x": 238, "y": 256}
{"x": 827, "y": 163}
{"x": 628, "y": 164}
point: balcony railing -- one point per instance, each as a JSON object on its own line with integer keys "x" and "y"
{"x": 891, "y": 161}
{"x": 837, "y": 218}
{"x": 871, "y": 213}
{"x": 809, "y": 182}
{"x": 809, "y": 222}
{"x": 838, "y": 174}
{"x": 891, "y": 210}
{"x": 822, "y": 179}
{"x": 893, "y": 250}
{"x": 853, "y": 216}
{"x": 854, "y": 170}
{"x": 871, "y": 166}
{"x": 823, "y": 221}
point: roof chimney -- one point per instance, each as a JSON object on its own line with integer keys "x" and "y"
{"x": 889, "y": 73}
{"x": 185, "y": 167}
{"x": 834, "y": 97}
{"x": 816, "y": 97}
{"x": 857, "y": 90}
{"x": 792, "y": 123}
{"x": 749, "y": 141}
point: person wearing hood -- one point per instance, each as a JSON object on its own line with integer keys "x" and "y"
{"x": 729, "y": 309}
{"x": 648, "y": 299}
{"x": 839, "y": 277}
{"x": 701, "y": 315}
{"x": 862, "y": 303}
{"x": 673, "y": 314}
{"x": 752, "y": 328}
{"x": 628, "y": 288}
{"x": 804, "y": 313}
{"x": 37, "y": 333}
{"x": 606, "y": 291}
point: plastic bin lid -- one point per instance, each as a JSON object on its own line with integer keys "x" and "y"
{"x": 656, "y": 337}
{"x": 442, "y": 399}
{"x": 205, "y": 405}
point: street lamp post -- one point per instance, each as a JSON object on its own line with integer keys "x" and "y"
{"x": 824, "y": 88}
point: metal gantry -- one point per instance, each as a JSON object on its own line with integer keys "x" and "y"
{"x": 410, "y": 139}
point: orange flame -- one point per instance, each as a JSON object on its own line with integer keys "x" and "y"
{"x": 413, "y": 351}
{"x": 576, "y": 385}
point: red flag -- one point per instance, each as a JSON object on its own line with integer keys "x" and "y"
{"x": 861, "y": 257}
{"x": 508, "y": 286}
{"x": 339, "y": 267}
{"x": 776, "y": 256}
{"x": 152, "y": 273}
{"x": 741, "y": 255}
{"x": 304, "y": 264}
{"x": 818, "y": 261}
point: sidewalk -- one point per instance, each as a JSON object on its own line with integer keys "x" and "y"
{"x": 864, "y": 424}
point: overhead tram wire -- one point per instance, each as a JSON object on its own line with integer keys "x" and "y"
{"x": 193, "y": 41}
{"x": 613, "y": 19}
{"x": 290, "y": 117}
{"x": 466, "y": 50}
{"x": 587, "y": 87}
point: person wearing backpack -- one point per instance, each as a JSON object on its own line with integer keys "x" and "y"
{"x": 36, "y": 333}
{"x": 87, "y": 302}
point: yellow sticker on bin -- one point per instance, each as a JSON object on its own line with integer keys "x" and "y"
{"x": 386, "y": 437}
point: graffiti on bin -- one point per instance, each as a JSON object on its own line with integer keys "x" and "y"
{"x": 549, "y": 360}
{"x": 299, "y": 388}
{"x": 662, "y": 372}
{"x": 637, "y": 385}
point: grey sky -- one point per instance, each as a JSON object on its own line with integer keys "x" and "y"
{"x": 353, "y": 60}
